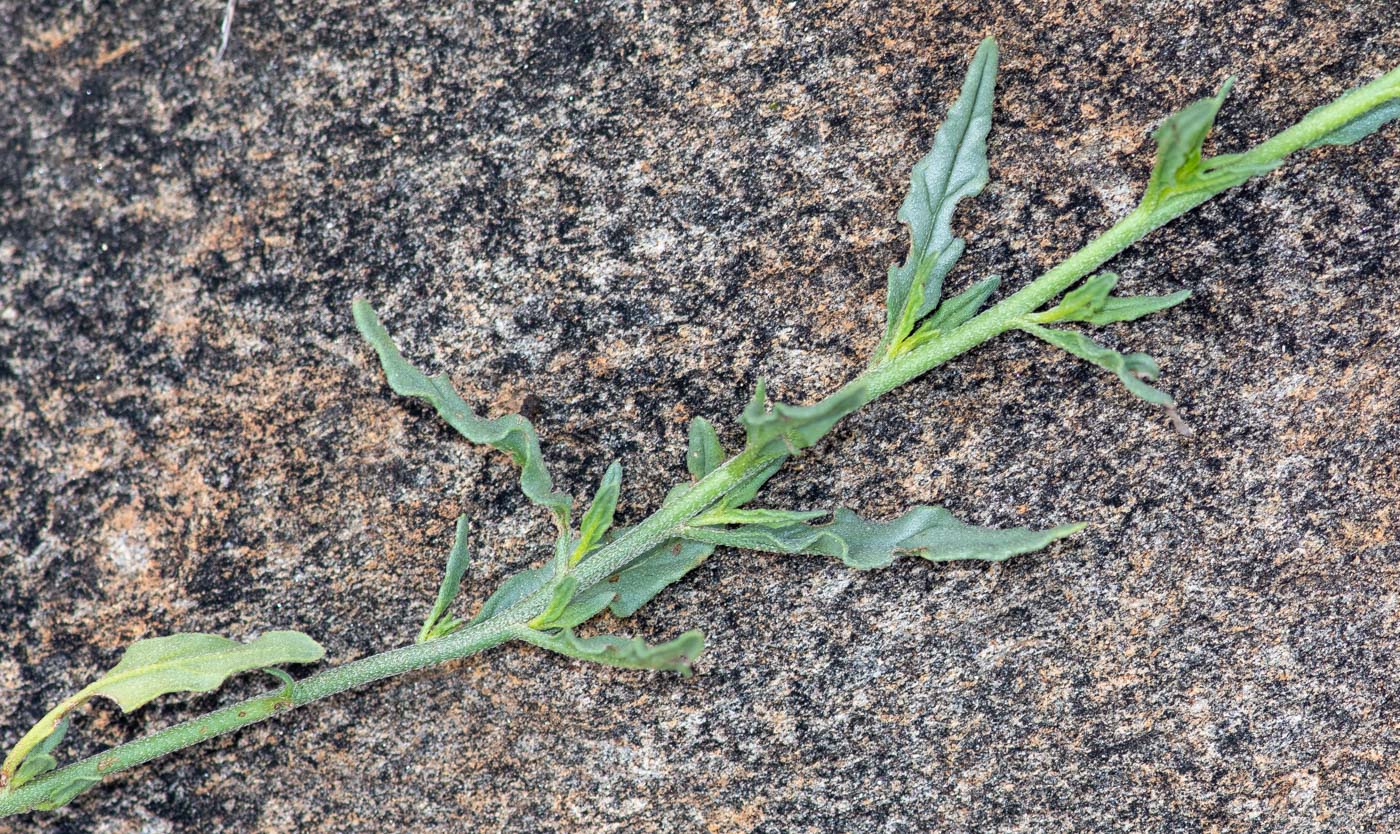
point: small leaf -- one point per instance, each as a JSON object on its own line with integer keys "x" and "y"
{"x": 1180, "y": 169}
{"x": 510, "y": 433}
{"x": 1131, "y": 368}
{"x": 439, "y": 623}
{"x": 558, "y": 601}
{"x": 963, "y": 306}
{"x": 65, "y": 789}
{"x": 771, "y": 518}
{"x": 584, "y": 607}
{"x": 600, "y": 513}
{"x": 785, "y": 429}
{"x": 932, "y": 533}
{"x": 162, "y": 665}
{"x": 1361, "y": 126}
{"x": 663, "y": 565}
{"x": 749, "y": 487}
{"x": 704, "y": 453}
{"x": 674, "y": 656}
{"x": 954, "y": 169}
{"x": 1090, "y": 302}
{"x": 41, "y": 759}
{"x": 513, "y": 590}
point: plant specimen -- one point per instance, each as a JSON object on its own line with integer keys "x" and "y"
{"x": 597, "y": 566}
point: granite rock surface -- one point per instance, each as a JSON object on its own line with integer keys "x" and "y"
{"x": 614, "y": 217}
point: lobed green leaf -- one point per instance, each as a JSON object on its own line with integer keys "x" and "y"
{"x": 163, "y": 665}
{"x": 954, "y": 169}
{"x": 786, "y": 429}
{"x": 511, "y": 433}
{"x": 674, "y": 656}
{"x": 1131, "y": 368}
{"x": 439, "y": 622}
{"x": 930, "y": 533}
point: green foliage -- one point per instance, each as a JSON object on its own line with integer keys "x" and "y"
{"x": 1361, "y": 126}
{"x": 674, "y": 656}
{"x": 787, "y": 429}
{"x": 41, "y": 760}
{"x": 704, "y": 454}
{"x": 1090, "y": 302}
{"x": 511, "y": 434}
{"x": 954, "y": 169}
{"x": 162, "y": 665}
{"x": 1182, "y": 171}
{"x": 599, "y": 517}
{"x": 599, "y": 568}
{"x": 930, "y": 533}
{"x": 1131, "y": 368}
{"x": 440, "y": 622}
{"x": 657, "y": 569}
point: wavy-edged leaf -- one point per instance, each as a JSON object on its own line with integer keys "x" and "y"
{"x": 1091, "y": 302}
{"x": 663, "y": 565}
{"x": 931, "y": 533}
{"x": 674, "y": 656}
{"x": 40, "y": 760}
{"x": 1361, "y": 126}
{"x": 513, "y": 590}
{"x": 440, "y": 622}
{"x": 599, "y": 517}
{"x": 703, "y": 453}
{"x": 786, "y": 429}
{"x": 954, "y": 169}
{"x": 1131, "y": 368}
{"x": 511, "y": 433}
{"x": 1180, "y": 168}
{"x": 161, "y": 665}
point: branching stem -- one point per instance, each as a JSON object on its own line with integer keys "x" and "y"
{"x": 663, "y": 525}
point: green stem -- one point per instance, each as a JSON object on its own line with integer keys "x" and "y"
{"x": 665, "y": 522}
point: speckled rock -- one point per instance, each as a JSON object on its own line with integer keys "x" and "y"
{"x": 616, "y": 217}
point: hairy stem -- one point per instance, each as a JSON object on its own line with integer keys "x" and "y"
{"x": 664, "y": 524}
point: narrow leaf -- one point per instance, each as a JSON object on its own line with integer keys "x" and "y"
{"x": 674, "y": 656}
{"x": 663, "y": 565}
{"x": 510, "y": 433}
{"x": 439, "y": 623}
{"x": 750, "y": 486}
{"x": 600, "y": 513}
{"x": 41, "y": 759}
{"x": 1091, "y": 302}
{"x": 558, "y": 601}
{"x": 65, "y": 790}
{"x": 1180, "y": 170}
{"x": 789, "y": 428}
{"x": 513, "y": 590}
{"x": 963, "y": 306}
{"x": 704, "y": 453}
{"x": 162, "y": 665}
{"x": 954, "y": 169}
{"x": 931, "y": 533}
{"x": 1131, "y": 368}
{"x": 584, "y": 607}
{"x": 1361, "y": 126}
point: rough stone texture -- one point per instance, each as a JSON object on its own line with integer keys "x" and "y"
{"x": 617, "y": 217}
